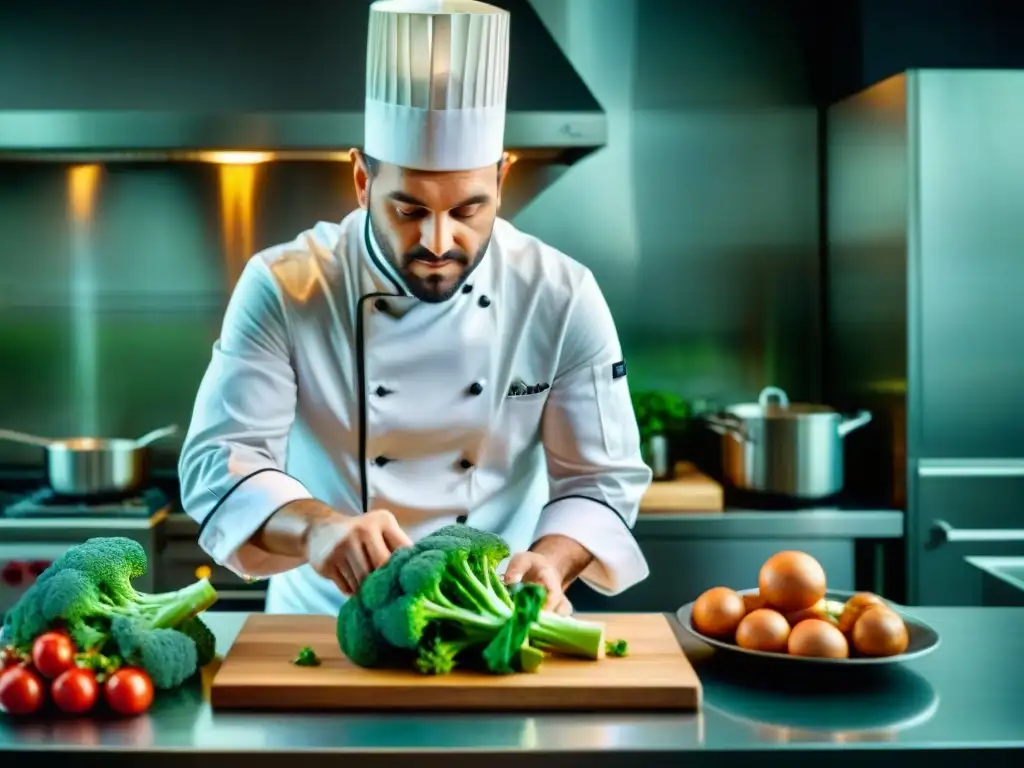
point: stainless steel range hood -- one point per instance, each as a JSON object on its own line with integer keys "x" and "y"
{"x": 118, "y": 79}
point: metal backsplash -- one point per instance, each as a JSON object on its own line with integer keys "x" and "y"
{"x": 115, "y": 277}
{"x": 700, "y": 221}
{"x": 700, "y": 217}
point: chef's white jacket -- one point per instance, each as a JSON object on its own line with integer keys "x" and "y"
{"x": 505, "y": 408}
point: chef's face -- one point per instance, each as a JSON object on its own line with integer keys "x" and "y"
{"x": 434, "y": 227}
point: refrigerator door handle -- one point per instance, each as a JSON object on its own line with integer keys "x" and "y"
{"x": 944, "y": 533}
{"x": 970, "y": 468}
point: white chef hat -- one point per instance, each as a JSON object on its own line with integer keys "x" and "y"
{"x": 436, "y": 77}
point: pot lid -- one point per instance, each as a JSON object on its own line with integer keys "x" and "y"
{"x": 773, "y": 403}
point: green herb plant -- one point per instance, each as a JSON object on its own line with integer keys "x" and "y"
{"x": 658, "y": 412}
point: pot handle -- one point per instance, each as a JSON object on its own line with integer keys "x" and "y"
{"x": 24, "y": 438}
{"x": 156, "y": 434}
{"x": 727, "y": 428}
{"x": 855, "y": 422}
{"x": 768, "y": 393}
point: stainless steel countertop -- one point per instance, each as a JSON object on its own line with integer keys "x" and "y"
{"x": 966, "y": 695}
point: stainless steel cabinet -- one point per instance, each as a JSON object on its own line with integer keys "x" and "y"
{"x": 966, "y": 509}
{"x": 970, "y": 241}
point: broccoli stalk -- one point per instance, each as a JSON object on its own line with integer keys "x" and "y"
{"x": 501, "y": 653}
{"x": 499, "y": 588}
{"x": 440, "y": 657}
{"x": 487, "y": 602}
{"x": 403, "y": 622}
{"x": 568, "y": 636}
{"x": 555, "y": 633}
{"x": 438, "y": 603}
{"x": 530, "y": 658}
{"x": 70, "y": 596}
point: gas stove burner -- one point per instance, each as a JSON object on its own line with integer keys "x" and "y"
{"x": 46, "y": 503}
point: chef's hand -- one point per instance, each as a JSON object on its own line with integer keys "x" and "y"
{"x": 347, "y": 549}
{"x": 535, "y": 568}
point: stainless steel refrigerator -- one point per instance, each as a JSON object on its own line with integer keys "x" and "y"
{"x": 925, "y": 314}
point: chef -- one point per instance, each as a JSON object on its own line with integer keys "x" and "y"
{"x": 422, "y": 363}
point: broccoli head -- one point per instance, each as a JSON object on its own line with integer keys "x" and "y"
{"x": 441, "y": 604}
{"x": 88, "y": 592}
{"x": 357, "y": 637}
{"x": 111, "y": 563}
{"x": 381, "y": 586}
{"x": 168, "y": 656}
{"x": 24, "y": 622}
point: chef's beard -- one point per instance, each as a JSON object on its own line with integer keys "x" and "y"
{"x": 432, "y": 288}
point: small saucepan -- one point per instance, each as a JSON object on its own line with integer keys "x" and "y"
{"x": 91, "y": 466}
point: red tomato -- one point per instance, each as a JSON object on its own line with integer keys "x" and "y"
{"x": 75, "y": 691}
{"x": 21, "y": 691}
{"x": 129, "y": 691}
{"x": 53, "y": 653}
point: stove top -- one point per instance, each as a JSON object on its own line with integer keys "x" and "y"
{"x": 44, "y": 503}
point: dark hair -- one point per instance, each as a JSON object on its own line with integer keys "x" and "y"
{"x": 373, "y": 165}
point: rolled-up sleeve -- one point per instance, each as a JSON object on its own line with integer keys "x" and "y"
{"x": 232, "y": 462}
{"x": 592, "y": 443}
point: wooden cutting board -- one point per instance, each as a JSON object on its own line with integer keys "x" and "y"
{"x": 690, "y": 491}
{"x": 257, "y": 673}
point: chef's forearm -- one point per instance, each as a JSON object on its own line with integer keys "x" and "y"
{"x": 287, "y": 531}
{"x": 566, "y": 555}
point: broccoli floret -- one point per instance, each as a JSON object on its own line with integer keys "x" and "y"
{"x": 168, "y": 656}
{"x": 485, "y": 551}
{"x": 443, "y": 605}
{"x": 358, "y": 638}
{"x": 202, "y": 636}
{"x": 88, "y": 592}
{"x": 24, "y": 622}
{"x": 381, "y": 586}
{"x": 479, "y": 543}
{"x": 616, "y": 648}
{"x": 437, "y": 657}
{"x": 111, "y": 563}
{"x": 306, "y": 657}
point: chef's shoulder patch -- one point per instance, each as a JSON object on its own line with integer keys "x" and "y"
{"x": 619, "y": 369}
